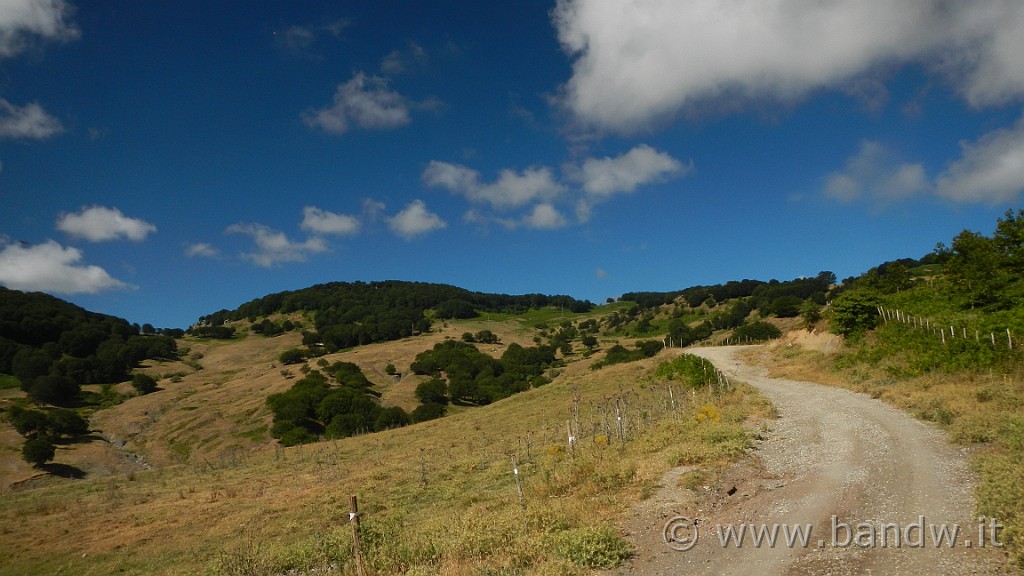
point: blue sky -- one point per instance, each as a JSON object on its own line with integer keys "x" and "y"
{"x": 161, "y": 161}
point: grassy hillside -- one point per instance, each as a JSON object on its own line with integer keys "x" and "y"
{"x": 436, "y": 498}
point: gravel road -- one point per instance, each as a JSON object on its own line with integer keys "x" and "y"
{"x": 851, "y": 468}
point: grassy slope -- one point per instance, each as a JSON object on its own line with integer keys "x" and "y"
{"x": 232, "y": 502}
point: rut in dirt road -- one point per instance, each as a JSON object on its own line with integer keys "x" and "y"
{"x": 855, "y": 486}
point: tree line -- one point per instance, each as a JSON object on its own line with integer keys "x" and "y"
{"x": 348, "y": 314}
{"x": 54, "y": 347}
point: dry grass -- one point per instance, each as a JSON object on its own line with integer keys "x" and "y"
{"x": 436, "y": 498}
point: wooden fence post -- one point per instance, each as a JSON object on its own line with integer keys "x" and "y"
{"x": 519, "y": 484}
{"x": 353, "y": 518}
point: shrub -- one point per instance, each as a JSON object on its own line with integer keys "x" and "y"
{"x": 593, "y": 547}
{"x": 37, "y": 451}
{"x": 144, "y": 383}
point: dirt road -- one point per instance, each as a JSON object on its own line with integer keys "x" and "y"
{"x": 868, "y": 488}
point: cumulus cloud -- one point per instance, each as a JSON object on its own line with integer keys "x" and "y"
{"x": 415, "y": 219}
{"x": 100, "y": 224}
{"x": 511, "y": 189}
{"x": 545, "y": 217}
{"x": 365, "y": 102}
{"x": 637, "y": 62}
{"x": 28, "y": 122}
{"x": 875, "y": 173}
{"x": 274, "y": 247}
{"x": 593, "y": 181}
{"x": 990, "y": 170}
{"x": 50, "y": 267}
{"x": 323, "y": 222}
{"x": 604, "y": 177}
{"x": 202, "y": 250}
{"x": 23, "y": 22}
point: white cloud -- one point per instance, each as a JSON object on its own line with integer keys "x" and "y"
{"x": 511, "y": 189}
{"x": 201, "y": 249}
{"x": 545, "y": 217}
{"x": 985, "y": 61}
{"x": 415, "y": 219}
{"x": 990, "y": 170}
{"x": 604, "y": 177}
{"x": 24, "y": 21}
{"x": 274, "y": 247}
{"x": 363, "y": 101}
{"x": 50, "y": 267}
{"x": 639, "y": 61}
{"x": 26, "y": 122}
{"x": 99, "y": 224}
{"x": 875, "y": 172}
{"x": 323, "y": 222}
{"x": 598, "y": 179}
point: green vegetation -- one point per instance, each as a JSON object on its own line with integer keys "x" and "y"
{"x": 53, "y": 347}
{"x": 474, "y": 377}
{"x": 352, "y": 314}
{"x": 619, "y": 354}
{"x": 314, "y": 408}
{"x": 44, "y": 429}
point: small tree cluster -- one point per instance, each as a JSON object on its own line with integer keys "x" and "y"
{"x": 476, "y": 378}
{"x": 314, "y": 407}
{"x": 43, "y": 429}
{"x": 619, "y": 354}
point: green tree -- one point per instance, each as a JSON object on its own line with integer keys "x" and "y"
{"x": 974, "y": 268}
{"x": 425, "y": 412}
{"x": 854, "y": 312}
{"x": 144, "y": 383}
{"x": 811, "y": 313}
{"x": 786, "y": 306}
{"x": 65, "y": 422}
{"x": 292, "y": 356}
{"x": 757, "y": 331}
{"x": 432, "y": 391}
{"x": 38, "y": 451}
{"x": 54, "y": 389}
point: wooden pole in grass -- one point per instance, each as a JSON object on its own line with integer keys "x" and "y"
{"x": 519, "y": 483}
{"x": 353, "y": 519}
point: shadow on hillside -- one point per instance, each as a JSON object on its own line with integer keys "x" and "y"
{"x": 84, "y": 439}
{"x": 64, "y": 470}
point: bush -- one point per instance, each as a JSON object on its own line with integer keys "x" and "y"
{"x": 144, "y": 383}
{"x": 759, "y": 330}
{"x": 593, "y": 547}
{"x": 37, "y": 451}
{"x": 429, "y": 411}
{"x": 54, "y": 389}
{"x": 432, "y": 392}
{"x": 292, "y": 356}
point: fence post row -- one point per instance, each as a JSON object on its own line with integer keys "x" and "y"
{"x": 926, "y": 323}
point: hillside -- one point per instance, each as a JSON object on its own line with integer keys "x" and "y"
{"x": 439, "y": 495}
{"x": 273, "y": 507}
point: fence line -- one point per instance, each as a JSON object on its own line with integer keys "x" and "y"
{"x": 919, "y": 323}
